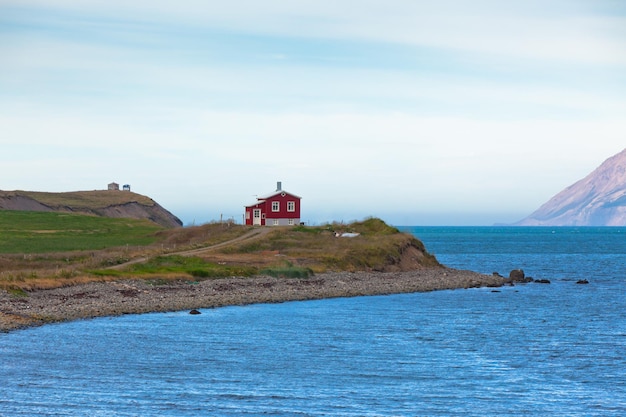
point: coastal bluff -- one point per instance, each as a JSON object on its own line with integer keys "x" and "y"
{"x": 219, "y": 264}
{"x": 105, "y": 203}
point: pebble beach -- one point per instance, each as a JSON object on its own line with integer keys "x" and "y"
{"x": 99, "y": 299}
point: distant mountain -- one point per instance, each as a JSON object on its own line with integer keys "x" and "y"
{"x": 597, "y": 200}
{"x": 105, "y": 203}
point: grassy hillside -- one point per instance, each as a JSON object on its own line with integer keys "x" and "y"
{"x": 30, "y": 232}
{"x": 83, "y": 200}
{"x": 44, "y": 250}
{"x": 103, "y": 203}
{"x": 377, "y": 246}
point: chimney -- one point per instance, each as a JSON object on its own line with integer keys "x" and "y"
{"x": 279, "y": 186}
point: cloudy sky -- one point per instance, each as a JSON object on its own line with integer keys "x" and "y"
{"x": 445, "y": 112}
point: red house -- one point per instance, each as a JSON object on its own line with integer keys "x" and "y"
{"x": 277, "y": 209}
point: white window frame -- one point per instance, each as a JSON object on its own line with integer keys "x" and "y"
{"x": 276, "y": 222}
{"x": 291, "y": 223}
{"x": 291, "y": 206}
{"x": 275, "y": 206}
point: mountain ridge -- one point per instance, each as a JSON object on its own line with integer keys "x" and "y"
{"x": 599, "y": 199}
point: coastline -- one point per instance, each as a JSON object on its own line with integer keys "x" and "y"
{"x": 101, "y": 299}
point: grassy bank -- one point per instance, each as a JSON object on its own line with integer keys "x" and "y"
{"x": 47, "y": 250}
{"x": 81, "y": 200}
{"x": 374, "y": 245}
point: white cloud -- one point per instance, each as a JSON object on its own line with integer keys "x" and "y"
{"x": 560, "y": 30}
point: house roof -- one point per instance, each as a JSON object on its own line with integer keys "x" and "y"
{"x": 268, "y": 196}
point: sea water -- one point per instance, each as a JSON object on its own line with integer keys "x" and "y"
{"x": 527, "y": 350}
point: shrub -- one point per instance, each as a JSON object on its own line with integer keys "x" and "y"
{"x": 288, "y": 271}
{"x": 200, "y": 273}
{"x": 17, "y": 292}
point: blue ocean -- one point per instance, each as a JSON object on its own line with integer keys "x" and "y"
{"x": 555, "y": 349}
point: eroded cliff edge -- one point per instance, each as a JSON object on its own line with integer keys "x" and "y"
{"x": 106, "y": 203}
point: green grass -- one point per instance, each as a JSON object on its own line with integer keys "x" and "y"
{"x": 48, "y": 249}
{"x": 182, "y": 265}
{"x": 31, "y": 232}
{"x": 376, "y": 246}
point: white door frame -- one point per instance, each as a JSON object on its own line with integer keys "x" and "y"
{"x": 256, "y": 217}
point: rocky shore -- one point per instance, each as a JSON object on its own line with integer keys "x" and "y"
{"x": 99, "y": 299}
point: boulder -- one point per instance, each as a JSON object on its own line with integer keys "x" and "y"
{"x": 542, "y": 281}
{"x": 582, "y": 281}
{"x": 194, "y": 311}
{"x": 517, "y": 275}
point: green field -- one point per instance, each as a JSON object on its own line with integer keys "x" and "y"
{"x": 44, "y": 232}
{"x": 42, "y": 250}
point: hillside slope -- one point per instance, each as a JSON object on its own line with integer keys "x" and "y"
{"x": 121, "y": 204}
{"x": 597, "y": 200}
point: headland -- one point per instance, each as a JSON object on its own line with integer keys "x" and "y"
{"x": 199, "y": 267}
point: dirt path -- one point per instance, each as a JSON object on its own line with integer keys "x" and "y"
{"x": 252, "y": 234}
